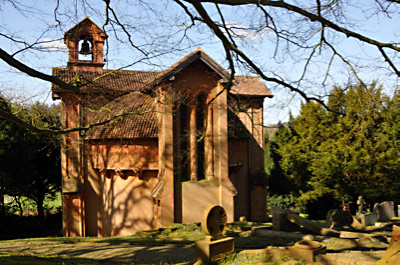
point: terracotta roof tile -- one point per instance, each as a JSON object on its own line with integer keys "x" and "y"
{"x": 250, "y": 86}
{"x": 197, "y": 54}
{"x": 129, "y": 80}
{"x": 105, "y": 80}
{"x": 132, "y": 83}
{"x": 84, "y": 21}
{"x": 139, "y": 118}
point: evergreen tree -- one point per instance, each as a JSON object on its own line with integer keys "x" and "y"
{"x": 30, "y": 163}
{"x": 351, "y": 150}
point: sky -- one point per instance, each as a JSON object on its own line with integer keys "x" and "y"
{"x": 161, "y": 25}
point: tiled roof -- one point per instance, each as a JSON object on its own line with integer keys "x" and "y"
{"x": 104, "y": 80}
{"x": 250, "y": 86}
{"x": 129, "y": 80}
{"x": 139, "y": 118}
{"x": 197, "y": 54}
{"x": 84, "y": 21}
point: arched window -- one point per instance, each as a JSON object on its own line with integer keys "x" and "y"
{"x": 181, "y": 141}
{"x": 85, "y": 50}
{"x": 200, "y": 122}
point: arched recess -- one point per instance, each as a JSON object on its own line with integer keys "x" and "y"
{"x": 200, "y": 122}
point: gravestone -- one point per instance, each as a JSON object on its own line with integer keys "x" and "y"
{"x": 367, "y": 219}
{"x": 315, "y": 227}
{"x": 280, "y": 221}
{"x": 392, "y": 254}
{"x": 215, "y": 246}
{"x": 306, "y": 250}
{"x": 384, "y": 211}
{"x": 363, "y": 218}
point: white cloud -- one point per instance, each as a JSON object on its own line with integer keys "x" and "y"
{"x": 53, "y": 44}
{"x": 243, "y": 32}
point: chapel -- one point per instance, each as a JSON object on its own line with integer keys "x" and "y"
{"x": 156, "y": 147}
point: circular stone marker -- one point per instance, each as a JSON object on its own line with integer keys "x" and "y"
{"x": 214, "y": 220}
{"x": 308, "y": 244}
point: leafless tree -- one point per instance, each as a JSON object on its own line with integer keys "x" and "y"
{"x": 298, "y": 46}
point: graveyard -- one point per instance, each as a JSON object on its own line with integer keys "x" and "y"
{"x": 157, "y": 152}
{"x": 287, "y": 238}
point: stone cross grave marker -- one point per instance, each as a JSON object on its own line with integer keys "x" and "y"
{"x": 215, "y": 246}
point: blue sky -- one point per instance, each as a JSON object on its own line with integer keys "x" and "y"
{"x": 167, "y": 28}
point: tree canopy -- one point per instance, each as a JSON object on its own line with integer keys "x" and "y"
{"x": 30, "y": 162}
{"x": 351, "y": 151}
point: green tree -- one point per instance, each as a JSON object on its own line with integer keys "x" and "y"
{"x": 278, "y": 182}
{"x": 350, "y": 151}
{"x": 30, "y": 162}
{"x": 357, "y": 157}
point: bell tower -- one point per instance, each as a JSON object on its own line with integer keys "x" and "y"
{"x": 85, "y": 42}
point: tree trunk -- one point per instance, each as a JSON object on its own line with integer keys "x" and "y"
{"x": 40, "y": 209}
{"x": 2, "y": 205}
{"x": 17, "y": 199}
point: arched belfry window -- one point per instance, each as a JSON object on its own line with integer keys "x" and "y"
{"x": 85, "y": 50}
{"x": 200, "y": 122}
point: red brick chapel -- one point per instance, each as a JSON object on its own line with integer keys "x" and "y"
{"x": 161, "y": 145}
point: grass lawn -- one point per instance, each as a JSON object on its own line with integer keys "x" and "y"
{"x": 171, "y": 245}
{"x": 175, "y": 241}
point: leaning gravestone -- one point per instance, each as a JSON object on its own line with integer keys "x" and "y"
{"x": 384, "y": 211}
{"x": 392, "y": 254}
{"x": 280, "y": 221}
{"x": 215, "y": 246}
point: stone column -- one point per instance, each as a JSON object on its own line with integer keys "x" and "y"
{"x": 193, "y": 143}
{"x": 166, "y": 161}
{"x": 72, "y": 169}
{"x": 208, "y": 145}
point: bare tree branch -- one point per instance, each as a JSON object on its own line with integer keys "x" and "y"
{"x": 303, "y": 12}
{"x": 34, "y": 73}
{"x": 23, "y": 124}
{"x": 230, "y": 47}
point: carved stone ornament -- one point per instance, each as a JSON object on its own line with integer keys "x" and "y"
{"x": 214, "y": 221}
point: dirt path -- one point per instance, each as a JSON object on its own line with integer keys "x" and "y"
{"x": 138, "y": 254}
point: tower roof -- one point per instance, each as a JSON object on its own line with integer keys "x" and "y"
{"x": 85, "y": 25}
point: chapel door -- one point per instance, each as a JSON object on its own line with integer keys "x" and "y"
{"x": 239, "y": 176}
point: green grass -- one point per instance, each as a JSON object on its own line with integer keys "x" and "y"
{"x": 236, "y": 259}
{"x": 180, "y": 234}
{"x": 177, "y": 234}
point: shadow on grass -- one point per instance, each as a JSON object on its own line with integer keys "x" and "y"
{"x": 37, "y": 260}
{"x": 97, "y": 254}
{"x": 255, "y": 242}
